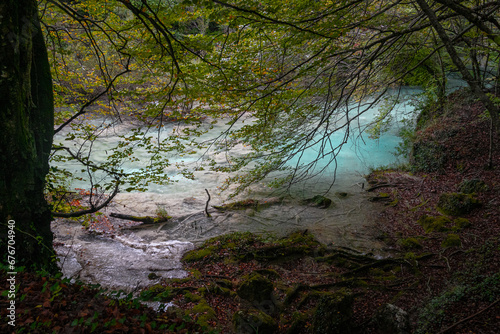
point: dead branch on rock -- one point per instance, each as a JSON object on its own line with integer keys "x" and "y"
{"x": 143, "y": 219}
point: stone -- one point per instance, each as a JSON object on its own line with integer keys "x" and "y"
{"x": 251, "y": 321}
{"x": 334, "y": 313}
{"x": 319, "y": 201}
{"x": 472, "y": 186}
{"x": 456, "y": 204}
{"x": 434, "y": 224}
{"x": 393, "y": 320}
{"x": 256, "y": 288}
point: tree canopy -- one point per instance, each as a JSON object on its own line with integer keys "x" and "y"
{"x": 284, "y": 75}
{"x": 300, "y": 70}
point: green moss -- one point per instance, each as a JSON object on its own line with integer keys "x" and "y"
{"x": 157, "y": 292}
{"x": 238, "y": 205}
{"x": 191, "y": 297}
{"x": 394, "y": 202}
{"x": 254, "y": 321}
{"x": 204, "y": 313}
{"x": 452, "y": 240}
{"x": 269, "y": 273}
{"x": 197, "y": 255}
{"x": 334, "y": 313}
{"x": 195, "y": 274}
{"x": 410, "y": 243}
{"x": 341, "y": 194}
{"x": 456, "y": 204}
{"x": 319, "y": 201}
{"x": 256, "y": 288}
{"x": 298, "y": 323}
{"x": 461, "y": 223}
{"x": 295, "y": 245}
{"x": 158, "y": 288}
{"x": 472, "y": 186}
{"x": 433, "y": 224}
{"x": 153, "y": 276}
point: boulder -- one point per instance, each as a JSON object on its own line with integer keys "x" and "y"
{"x": 334, "y": 313}
{"x": 256, "y": 288}
{"x": 393, "y": 320}
{"x": 456, "y": 204}
{"x": 254, "y": 321}
{"x": 319, "y": 201}
{"x": 472, "y": 186}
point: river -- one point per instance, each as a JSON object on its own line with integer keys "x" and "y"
{"x": 119, "y": 255}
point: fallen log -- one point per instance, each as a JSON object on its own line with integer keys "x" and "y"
{"x": 143, "y": 219}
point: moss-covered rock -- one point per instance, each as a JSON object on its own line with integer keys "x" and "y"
{"x": 456, "y": 204}
{"x": 203, "y": 313}
{"x": 410, "y": 243}
{"x": 298, "y": 323}
{"x": 197, "y": 254}
{"x": 319, "y": 201}
{"x": 256, "y": 288}
{"x": 341, "y": 194}
{"x": 434, "y": 224}
{"x": 227, "y": 246}
{"x": 334, "y": 313}
{"x": 191, "y": 297}
{"x": 253, "y": 321}
{"x": 295, "y": 245}
{"x": 153, "y": 276}
{"x": 452, "y": 240}
{"x": 472, "y": 186}
{"x": 461, "y": 223}
{"x": 391, "y": 319}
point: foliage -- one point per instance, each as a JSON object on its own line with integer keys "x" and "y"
{"x": 286, "y": 77}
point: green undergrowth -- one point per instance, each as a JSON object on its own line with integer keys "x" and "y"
{"x": 52, "y": 304}
{"x": 478, "y": 283}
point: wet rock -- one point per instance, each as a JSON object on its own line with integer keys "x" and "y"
{"x": 456, "y": 204}
{"x": 472, "y": 186}
{"x": 393, "y": 320}
{"x": 341, "y": 194}
{"x": 253, "y": 321}
{"x": 334, "y": 313}
{"x": 319, "y": 201}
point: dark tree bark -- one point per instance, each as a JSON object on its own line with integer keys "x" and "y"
{"x": 26, "y": 131}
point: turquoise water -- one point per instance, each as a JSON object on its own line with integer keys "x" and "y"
{"x": 357, "y": 156}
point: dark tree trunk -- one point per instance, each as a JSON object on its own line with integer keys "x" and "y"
{"x": 26, "y": 131}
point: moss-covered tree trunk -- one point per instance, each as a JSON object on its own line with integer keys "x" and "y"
{"x": 26, "y": 131}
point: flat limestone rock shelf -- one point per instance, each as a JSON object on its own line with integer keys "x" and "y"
{"x": 116, "y": 261}
{"x": 132, "y": 258}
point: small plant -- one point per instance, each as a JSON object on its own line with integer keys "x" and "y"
{"x": 161, "y": 211}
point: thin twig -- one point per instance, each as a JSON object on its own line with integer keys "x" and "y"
{"x": 206, "y": 205}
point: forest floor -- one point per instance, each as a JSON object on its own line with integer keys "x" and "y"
{"x": 441, "y": 222}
